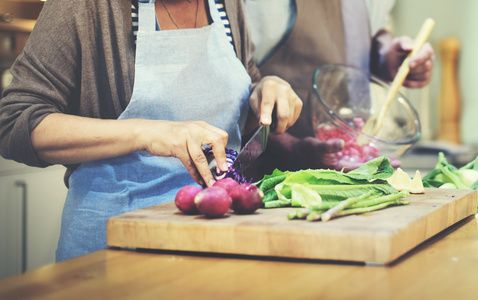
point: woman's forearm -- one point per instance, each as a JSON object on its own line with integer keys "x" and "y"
{"x": 68, "y": 139}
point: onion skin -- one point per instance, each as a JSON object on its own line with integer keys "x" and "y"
{"x": 213, "y": 202}
{"x": 246, "y": 198}
{"x": 184, "y": 199}
{"x": 227, "y": 183}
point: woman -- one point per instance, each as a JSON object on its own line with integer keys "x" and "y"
{"x": 129, "y": 114}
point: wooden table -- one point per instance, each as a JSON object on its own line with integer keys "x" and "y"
{"x": 444, "y": 267}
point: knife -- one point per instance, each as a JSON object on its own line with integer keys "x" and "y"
{"x": 252, "y": 149}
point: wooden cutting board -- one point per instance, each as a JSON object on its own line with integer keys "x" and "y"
{"x": 379, "y": 237}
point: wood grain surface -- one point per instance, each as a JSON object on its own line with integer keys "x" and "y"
{"x": 442, "y": 268}
{"x": 378, "y": 237}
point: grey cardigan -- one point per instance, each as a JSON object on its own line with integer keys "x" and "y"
{"x": 79, "y": 60}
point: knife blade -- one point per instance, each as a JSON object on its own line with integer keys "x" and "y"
{"x": 252, "y": 149}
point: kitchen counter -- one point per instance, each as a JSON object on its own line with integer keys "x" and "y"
{"x": 444, "y": 267}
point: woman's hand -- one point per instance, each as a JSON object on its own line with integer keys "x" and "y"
{"x": 184, "y": 140}
{"x": 273, "y": 92}
{"x": 421, "y": 64}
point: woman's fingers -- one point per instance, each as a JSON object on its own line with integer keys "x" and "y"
{"x": 199, "y": 169}
{"x": 217, "y": 140}
{"x": 185, "y": 141}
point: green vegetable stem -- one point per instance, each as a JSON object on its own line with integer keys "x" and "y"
{"x": 359, "y": 205}
{"x": 361, "y": 210}
{"x": 342, "y": 205}
{"x": 301, "y": 213}
{"x": 275, "y": 204}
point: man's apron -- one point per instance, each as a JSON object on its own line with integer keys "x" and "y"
{"x": 326, "y": 31}
{"x": 181, "y": 75}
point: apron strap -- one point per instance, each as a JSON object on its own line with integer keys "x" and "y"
{"x": 215, "y": 16}
{"x": 146, "y": 15}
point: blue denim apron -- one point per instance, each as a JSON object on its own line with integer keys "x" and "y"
{"x": 180, "y": 75}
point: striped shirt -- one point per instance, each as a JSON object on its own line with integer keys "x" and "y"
{"x": 219, "y": 7}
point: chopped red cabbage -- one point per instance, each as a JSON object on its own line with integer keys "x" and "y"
{"x": 231, "y": 156}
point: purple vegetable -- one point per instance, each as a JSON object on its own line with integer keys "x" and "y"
{"x": 231, "y": 156}
{"x": 184, "y": 199}
{"x": 246, "y": 198}
{"x": 213, "y": 201}
{"x": 227, "y": 183}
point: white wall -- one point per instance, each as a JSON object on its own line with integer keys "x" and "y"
{"x": 454, "y": 18}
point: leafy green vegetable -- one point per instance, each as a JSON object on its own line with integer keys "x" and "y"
{"x": 467, "y": 176}
{"x": 333, "y": 192}
{"x": 446, "y": 175}
{"x": 304, "y": 196}
{"x": 377, "y": 168}
{"x": 270, "y": 181}
{"x": 317, "y": 191}
{"x": 301, "y": 188}
{"x": 324, "y": 188}
{"x": 270, "y": 196}
{"x": 447, "y": 185}
{"x": 342, "y": 192}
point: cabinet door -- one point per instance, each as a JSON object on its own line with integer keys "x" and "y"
{"x": 46, "y": 194}
{"x": 12, "y": 261}
{"x": 31, "y": 204}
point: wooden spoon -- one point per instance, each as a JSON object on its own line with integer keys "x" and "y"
{"x": 374, "y": 123}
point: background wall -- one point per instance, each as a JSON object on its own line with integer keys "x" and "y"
{"x": 454, "y": 18}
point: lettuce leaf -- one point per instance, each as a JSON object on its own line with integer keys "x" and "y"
{"x": 300, "y": 188}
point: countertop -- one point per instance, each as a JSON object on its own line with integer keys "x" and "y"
{"x": 444, "y": 267}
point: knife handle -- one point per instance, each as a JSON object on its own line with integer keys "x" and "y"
{"x": 274, "y": 119}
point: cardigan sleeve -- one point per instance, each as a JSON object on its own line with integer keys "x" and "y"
{"x": 79, "y": 60}
{"x": 44, "y": 77}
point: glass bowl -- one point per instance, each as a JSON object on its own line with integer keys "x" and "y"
{"x": 344, "y": 98}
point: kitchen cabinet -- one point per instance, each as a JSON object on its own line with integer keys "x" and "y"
{"x": 13, "y": 37}
{"x": 15, "y": 31}
{"x": 31, "y": 203}
{"x": 22, "y": 9}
